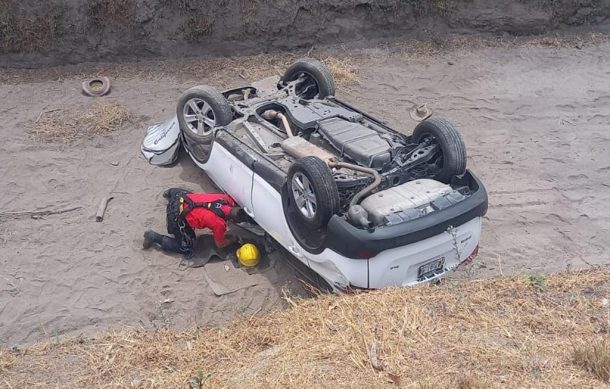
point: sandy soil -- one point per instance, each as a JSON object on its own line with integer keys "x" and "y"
{"x": 535, "y": 121}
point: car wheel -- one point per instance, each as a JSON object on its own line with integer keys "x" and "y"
{"x": 452, "y": 160}
{"x": 313, "y": 191}
{"x": 317, "y": 82}
{"x": 200, "y": 110}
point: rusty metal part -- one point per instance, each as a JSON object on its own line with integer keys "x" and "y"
{"x": 376, "y": 179}
{"x": 271, "y": 114}
{"x": 298, "y": 147}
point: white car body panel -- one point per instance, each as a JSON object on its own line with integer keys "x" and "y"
{"x": 394, "y": 267}
{"x": 267, "y": 203}
{"x": 399, "y": 266}
{"x": 230, "y": 175}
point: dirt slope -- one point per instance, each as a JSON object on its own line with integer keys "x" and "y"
{"x": 475, "y": 334}
{"x": 534, "y": 119}
{"x": 72, "y": 31}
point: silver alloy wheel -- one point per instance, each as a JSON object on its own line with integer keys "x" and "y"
{"x": 199, "y": 116}
{"x": 304, "y": 195}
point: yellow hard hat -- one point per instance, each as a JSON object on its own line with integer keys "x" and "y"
{"x": 248, "y": 255}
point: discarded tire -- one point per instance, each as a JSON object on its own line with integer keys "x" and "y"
{"x": 96, "y": 87}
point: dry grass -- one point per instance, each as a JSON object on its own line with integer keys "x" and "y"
{"x": 471, "y": 382}
{"x": 502, "y": 333}
{"x": 595, "y": 357}
{"x": 111, "y": 12}
{"x": 65, "y": 126}
{"x": 20, "y": 33}
{"x": 232, "y": 71}
{"x": 343, "y": 70}
{"x": 456, "y": 44}
{"x": 7, "y": 359}
{"x": 239, "y": 70}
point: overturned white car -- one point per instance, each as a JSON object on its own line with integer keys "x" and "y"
{"x": 352, "y": 199}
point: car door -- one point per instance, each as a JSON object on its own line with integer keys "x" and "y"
{"x": 267, "y": 204}
{"x": 232, "y": 175}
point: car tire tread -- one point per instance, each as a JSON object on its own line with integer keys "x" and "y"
{"x": 451, "y": 143}
{"x": 324, "y": 79}
{"x": 324, "y": 186}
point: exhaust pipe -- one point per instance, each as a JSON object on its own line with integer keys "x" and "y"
{"x": 271, "y": 114}
{"x": 376, "y": 179}
{"x": 356, "y": 214}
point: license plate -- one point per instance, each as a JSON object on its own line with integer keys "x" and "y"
{"x": 431, "y": 268}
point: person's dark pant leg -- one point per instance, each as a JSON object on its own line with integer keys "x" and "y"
{"x": 183, "y": 238}
{"x": 181, "y": 244}
{"x": 174, "y": 245}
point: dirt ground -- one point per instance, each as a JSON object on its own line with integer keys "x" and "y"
{"x": 534, "y": 118}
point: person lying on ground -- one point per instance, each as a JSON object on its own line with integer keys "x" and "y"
{"x": 187, "y": 212}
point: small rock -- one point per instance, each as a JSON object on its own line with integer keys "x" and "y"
{"x": 115, "y": 163}
{"x": 450, "y": 63}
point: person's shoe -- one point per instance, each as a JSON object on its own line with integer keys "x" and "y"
{"x": 150, "y": 237}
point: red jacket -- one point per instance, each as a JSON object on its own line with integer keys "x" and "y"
{"x": 200, "y": 218}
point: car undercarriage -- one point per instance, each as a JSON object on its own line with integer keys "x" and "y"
{"x": 365, "y": 155}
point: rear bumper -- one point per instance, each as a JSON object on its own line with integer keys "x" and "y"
{"x": 399, "y": 266}
{"x": 353, "y": 242}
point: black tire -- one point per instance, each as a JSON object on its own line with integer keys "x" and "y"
{"x": 220, "y": 112}
{"x": 316, "y": 71}
{"x": 451, "y": 144}
{"x": 324, "y": 189}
